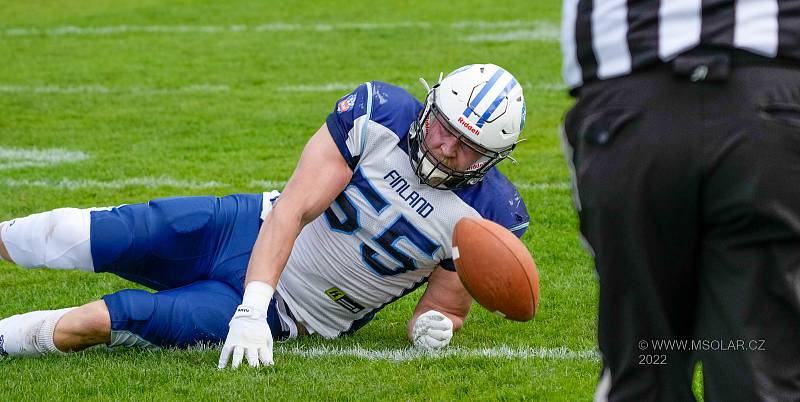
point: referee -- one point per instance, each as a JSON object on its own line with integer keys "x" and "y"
{"x": 685, "y": 148}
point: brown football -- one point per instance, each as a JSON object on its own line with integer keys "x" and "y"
{"x": 496, "y": 268}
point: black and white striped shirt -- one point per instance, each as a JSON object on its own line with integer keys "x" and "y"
{"x": 602, "y": 39}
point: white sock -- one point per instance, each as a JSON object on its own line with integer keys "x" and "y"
{"x": 30, "y": 334}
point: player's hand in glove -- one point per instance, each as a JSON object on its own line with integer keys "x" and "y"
{"x": 432, "y": 330}
{"x": 249, "y": 335}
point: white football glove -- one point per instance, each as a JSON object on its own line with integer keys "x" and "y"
{"x": 432, "y": 330}
{"x": 249, "y": 333}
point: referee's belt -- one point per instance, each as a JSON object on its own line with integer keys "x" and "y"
{"x": 715, "y": 64}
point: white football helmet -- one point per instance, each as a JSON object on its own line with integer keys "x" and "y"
{"x": 481, "y": 105}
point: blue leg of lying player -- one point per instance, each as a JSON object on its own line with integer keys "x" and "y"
{"x": 193, "y": 250}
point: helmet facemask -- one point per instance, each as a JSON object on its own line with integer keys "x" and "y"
{"x": 435, "y": 172}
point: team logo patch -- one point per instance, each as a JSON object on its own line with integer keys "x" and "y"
{"x": 342, "y": 299}
{"x": 2, "y": 349}
{"x": 346, "y": 103}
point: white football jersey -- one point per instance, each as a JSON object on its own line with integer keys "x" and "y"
{"x": 386, "y": 232}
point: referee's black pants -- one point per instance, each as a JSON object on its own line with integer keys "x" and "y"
{"x": 688, "y": 193}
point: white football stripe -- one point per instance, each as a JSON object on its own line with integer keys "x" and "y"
{"x": 14, "y": 158}
{"x": 536, "y": 25}
{"x": 406, "y": 354}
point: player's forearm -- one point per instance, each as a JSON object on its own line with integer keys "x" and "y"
{"x": 273, "y": 245}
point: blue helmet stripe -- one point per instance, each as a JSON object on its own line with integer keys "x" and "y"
{"x": 496, "y": 103}
{"x": 484, "y": 91}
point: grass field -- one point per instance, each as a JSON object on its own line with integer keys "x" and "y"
{"x": 104, "y": 102}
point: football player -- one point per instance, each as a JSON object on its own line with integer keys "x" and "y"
{"x": 366, "y": 218}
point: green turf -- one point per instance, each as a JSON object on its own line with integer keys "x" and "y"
{"x": 209, "y": 106}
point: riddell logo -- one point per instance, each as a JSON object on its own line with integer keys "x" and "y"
{"x": 476, "y": 166}
{"x": 468, "y": 126}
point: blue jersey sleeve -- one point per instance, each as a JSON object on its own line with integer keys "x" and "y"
{"x": 345, "y": 126}
{"x": 388, "y": 105}
{"x": 395, "y": 109}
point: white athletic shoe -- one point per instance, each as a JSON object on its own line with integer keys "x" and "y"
{"x": 26, "y": 334}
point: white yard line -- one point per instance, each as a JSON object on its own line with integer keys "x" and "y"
{"x": 100, "y": 89}
{"x": 412, "y": 353}
{"x": 563, "y": 185}
{"x": 507, "y": 24}
{"x": 149, "y": 182}
{"x": 215, "y": 88}
{"x": 212, "y": 88}
{"x": 156, "y": 182}
{"x": 49, "y": 89}
{"x": 406, "y": 354}
{"x": 278, "y": 26}
{"x": 15, "y": 158}
{"x": 325, "y": 87}
{"x": 347, "y": 87}
{"x": 544, "y": 34}
{"x": 267, "y": 185}
{"x": 189, "y": 89}
{"x": 547, "y": 86}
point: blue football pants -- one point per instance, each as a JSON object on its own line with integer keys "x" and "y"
{"x": 193, "y": 251}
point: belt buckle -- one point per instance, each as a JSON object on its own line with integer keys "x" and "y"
{"x": 711, "y": 67}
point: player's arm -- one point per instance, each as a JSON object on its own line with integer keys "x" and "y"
{"x": 320, "y": 175}
{"x": 442, "y": 309}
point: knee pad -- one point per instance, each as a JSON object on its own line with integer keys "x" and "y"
{"x": 131, "y": 311}
{"x": 55, "y": 239}
{"x": 179, "y": 317}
